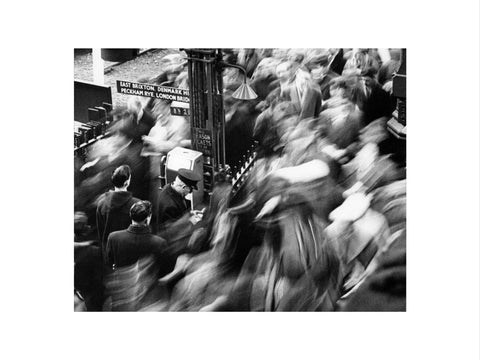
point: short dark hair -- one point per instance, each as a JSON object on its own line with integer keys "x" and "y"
{"x": 141, "y": 210}
{"x": 120, "y": 175}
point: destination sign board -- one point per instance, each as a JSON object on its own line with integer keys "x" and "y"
{"x": 153, "y": 91}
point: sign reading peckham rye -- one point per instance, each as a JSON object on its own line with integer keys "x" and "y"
{"x": 153, "y": 91}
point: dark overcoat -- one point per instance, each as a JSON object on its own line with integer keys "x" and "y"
{"x": 126, "y": 247}
{"x": 113, "y": 214}
{"x": 171, "y": 206}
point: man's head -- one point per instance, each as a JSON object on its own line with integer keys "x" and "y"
{"x": 141, "y": 212}
{"x": 186, "y": 181}
{"x": 121, "y": 177}
{"x": 285, "y": 72}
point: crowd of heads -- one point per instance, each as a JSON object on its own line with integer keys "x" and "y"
{"x": 322, "y": 209}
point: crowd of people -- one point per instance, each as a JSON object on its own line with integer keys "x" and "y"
{"x": 319, "y": 225}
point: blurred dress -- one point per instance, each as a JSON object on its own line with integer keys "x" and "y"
{"x": 359, "y": 235}
{"x": 385, "y": 289}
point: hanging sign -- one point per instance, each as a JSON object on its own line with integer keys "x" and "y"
{"x": 179, "y": 111}
{"x": 153, "y": 91}
{"x": 203, "y": 141}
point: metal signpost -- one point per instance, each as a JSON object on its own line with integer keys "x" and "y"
{"x": 207, "y": 116}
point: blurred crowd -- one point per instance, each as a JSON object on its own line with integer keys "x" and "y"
{"x": 319, "y": 225}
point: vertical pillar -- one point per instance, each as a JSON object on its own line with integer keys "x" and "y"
{"x": 98, "y": 66}
{"x": 206, "y": 107}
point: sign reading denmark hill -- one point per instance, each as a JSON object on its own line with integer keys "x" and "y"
{"x": 153, "y": 91}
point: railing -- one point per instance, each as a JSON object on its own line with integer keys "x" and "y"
{"x": 241, "y": 176}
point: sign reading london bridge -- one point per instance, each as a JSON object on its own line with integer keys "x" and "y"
{"x": 153, "y": 91}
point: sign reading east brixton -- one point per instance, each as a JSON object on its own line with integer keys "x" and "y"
{"x": 153, "y": 91}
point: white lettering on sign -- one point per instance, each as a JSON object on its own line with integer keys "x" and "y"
{"x": 153, "y": 91}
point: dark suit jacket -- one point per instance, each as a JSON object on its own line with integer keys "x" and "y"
{"x": 126, "y": 247}
{"x": 171, "y": 206}
{"x": 113, "y": 214}
{"x": 377, "y": 105}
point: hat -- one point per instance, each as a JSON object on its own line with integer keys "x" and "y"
{"x": 352, "y": 209}
{"x": 189, "y": 177}
{"x": 141, "y": 210}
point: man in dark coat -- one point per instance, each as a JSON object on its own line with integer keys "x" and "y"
{"x": 175, "y": 223}
{"x": 126, "y": 247}
{"x": 172, "y": 204}
{"x": 138, "y": 259}
{"x": 376, "y": 103}
{"x": 114, "y": 206}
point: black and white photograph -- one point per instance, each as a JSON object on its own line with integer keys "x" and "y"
{"x": 237, "y": 185}
{"x": 251, "y": 179}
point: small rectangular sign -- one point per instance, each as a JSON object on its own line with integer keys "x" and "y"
{"x": 203, "y": 141}
{"x": 153, "y": 91}
{"x": 179, "y": 111}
